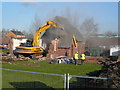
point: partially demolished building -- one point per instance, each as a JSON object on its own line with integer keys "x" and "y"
{"x": 59, "y": 42}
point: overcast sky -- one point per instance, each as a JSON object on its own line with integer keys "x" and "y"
{"x": 20, "y": 15}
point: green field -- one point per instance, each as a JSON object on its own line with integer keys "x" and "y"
{"x": 4, "y": 51}
{"x": 12, "y": 79}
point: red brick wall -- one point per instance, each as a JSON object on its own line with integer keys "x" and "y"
{"x": 69, "y": 52}
{"x": 64, "y": 52}
{"x": 52, "y": 52}
{"x": 20, "y": 36}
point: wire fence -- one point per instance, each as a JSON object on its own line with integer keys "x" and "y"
{"x": 92, "y": 82}
{"x": 29, "y": 79}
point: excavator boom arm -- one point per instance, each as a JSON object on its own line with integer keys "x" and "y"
{"x": 75, "y": 42}
{"x": 40, "y": 30}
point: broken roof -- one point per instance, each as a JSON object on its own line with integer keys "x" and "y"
{"x": 65, "y": 36}
{"x": 65, "y": 42}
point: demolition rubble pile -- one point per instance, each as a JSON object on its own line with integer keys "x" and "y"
{"x": 108, "y": 60}
{"x": 111, "y": 69}
{"x": 13, "y": 57}
{"x": 10, "y": 58}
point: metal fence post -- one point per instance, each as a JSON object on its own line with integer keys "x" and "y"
{"x": 68, "y": 81}
{"x": 64, "y": 81}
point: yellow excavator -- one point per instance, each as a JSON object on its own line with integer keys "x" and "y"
{"x": 35, "y": 47}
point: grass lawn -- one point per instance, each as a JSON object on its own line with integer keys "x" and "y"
{"x": 4, "y": 51}
{"x": 21, "y": 79}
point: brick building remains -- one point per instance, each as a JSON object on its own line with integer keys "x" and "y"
{"x": 59, "y": 42}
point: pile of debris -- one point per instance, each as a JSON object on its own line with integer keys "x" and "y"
{"x": 21, "y": 57}
{"x": 42, "y": 58}
{"x": 9, "y": 56}
{"x": 111, "y": 69}
{"x": 108, "y": 60}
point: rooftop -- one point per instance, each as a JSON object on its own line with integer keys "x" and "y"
{"x": 17, "y": 32}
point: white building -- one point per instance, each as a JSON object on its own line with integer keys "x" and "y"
{"x": 115, "y": 51}
{"x": 42, "y": 44}
{"x": 18, "y": 41}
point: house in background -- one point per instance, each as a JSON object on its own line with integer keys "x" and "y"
{"x": 115, "y": 51}
{"x": 13, "y": 39}
{"x": 100, "y": 45}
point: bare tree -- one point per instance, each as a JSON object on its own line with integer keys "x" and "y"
{"x": 88, "y": 28}
{"x": 4, "y": 31}
{"x": 34, "y": 27}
